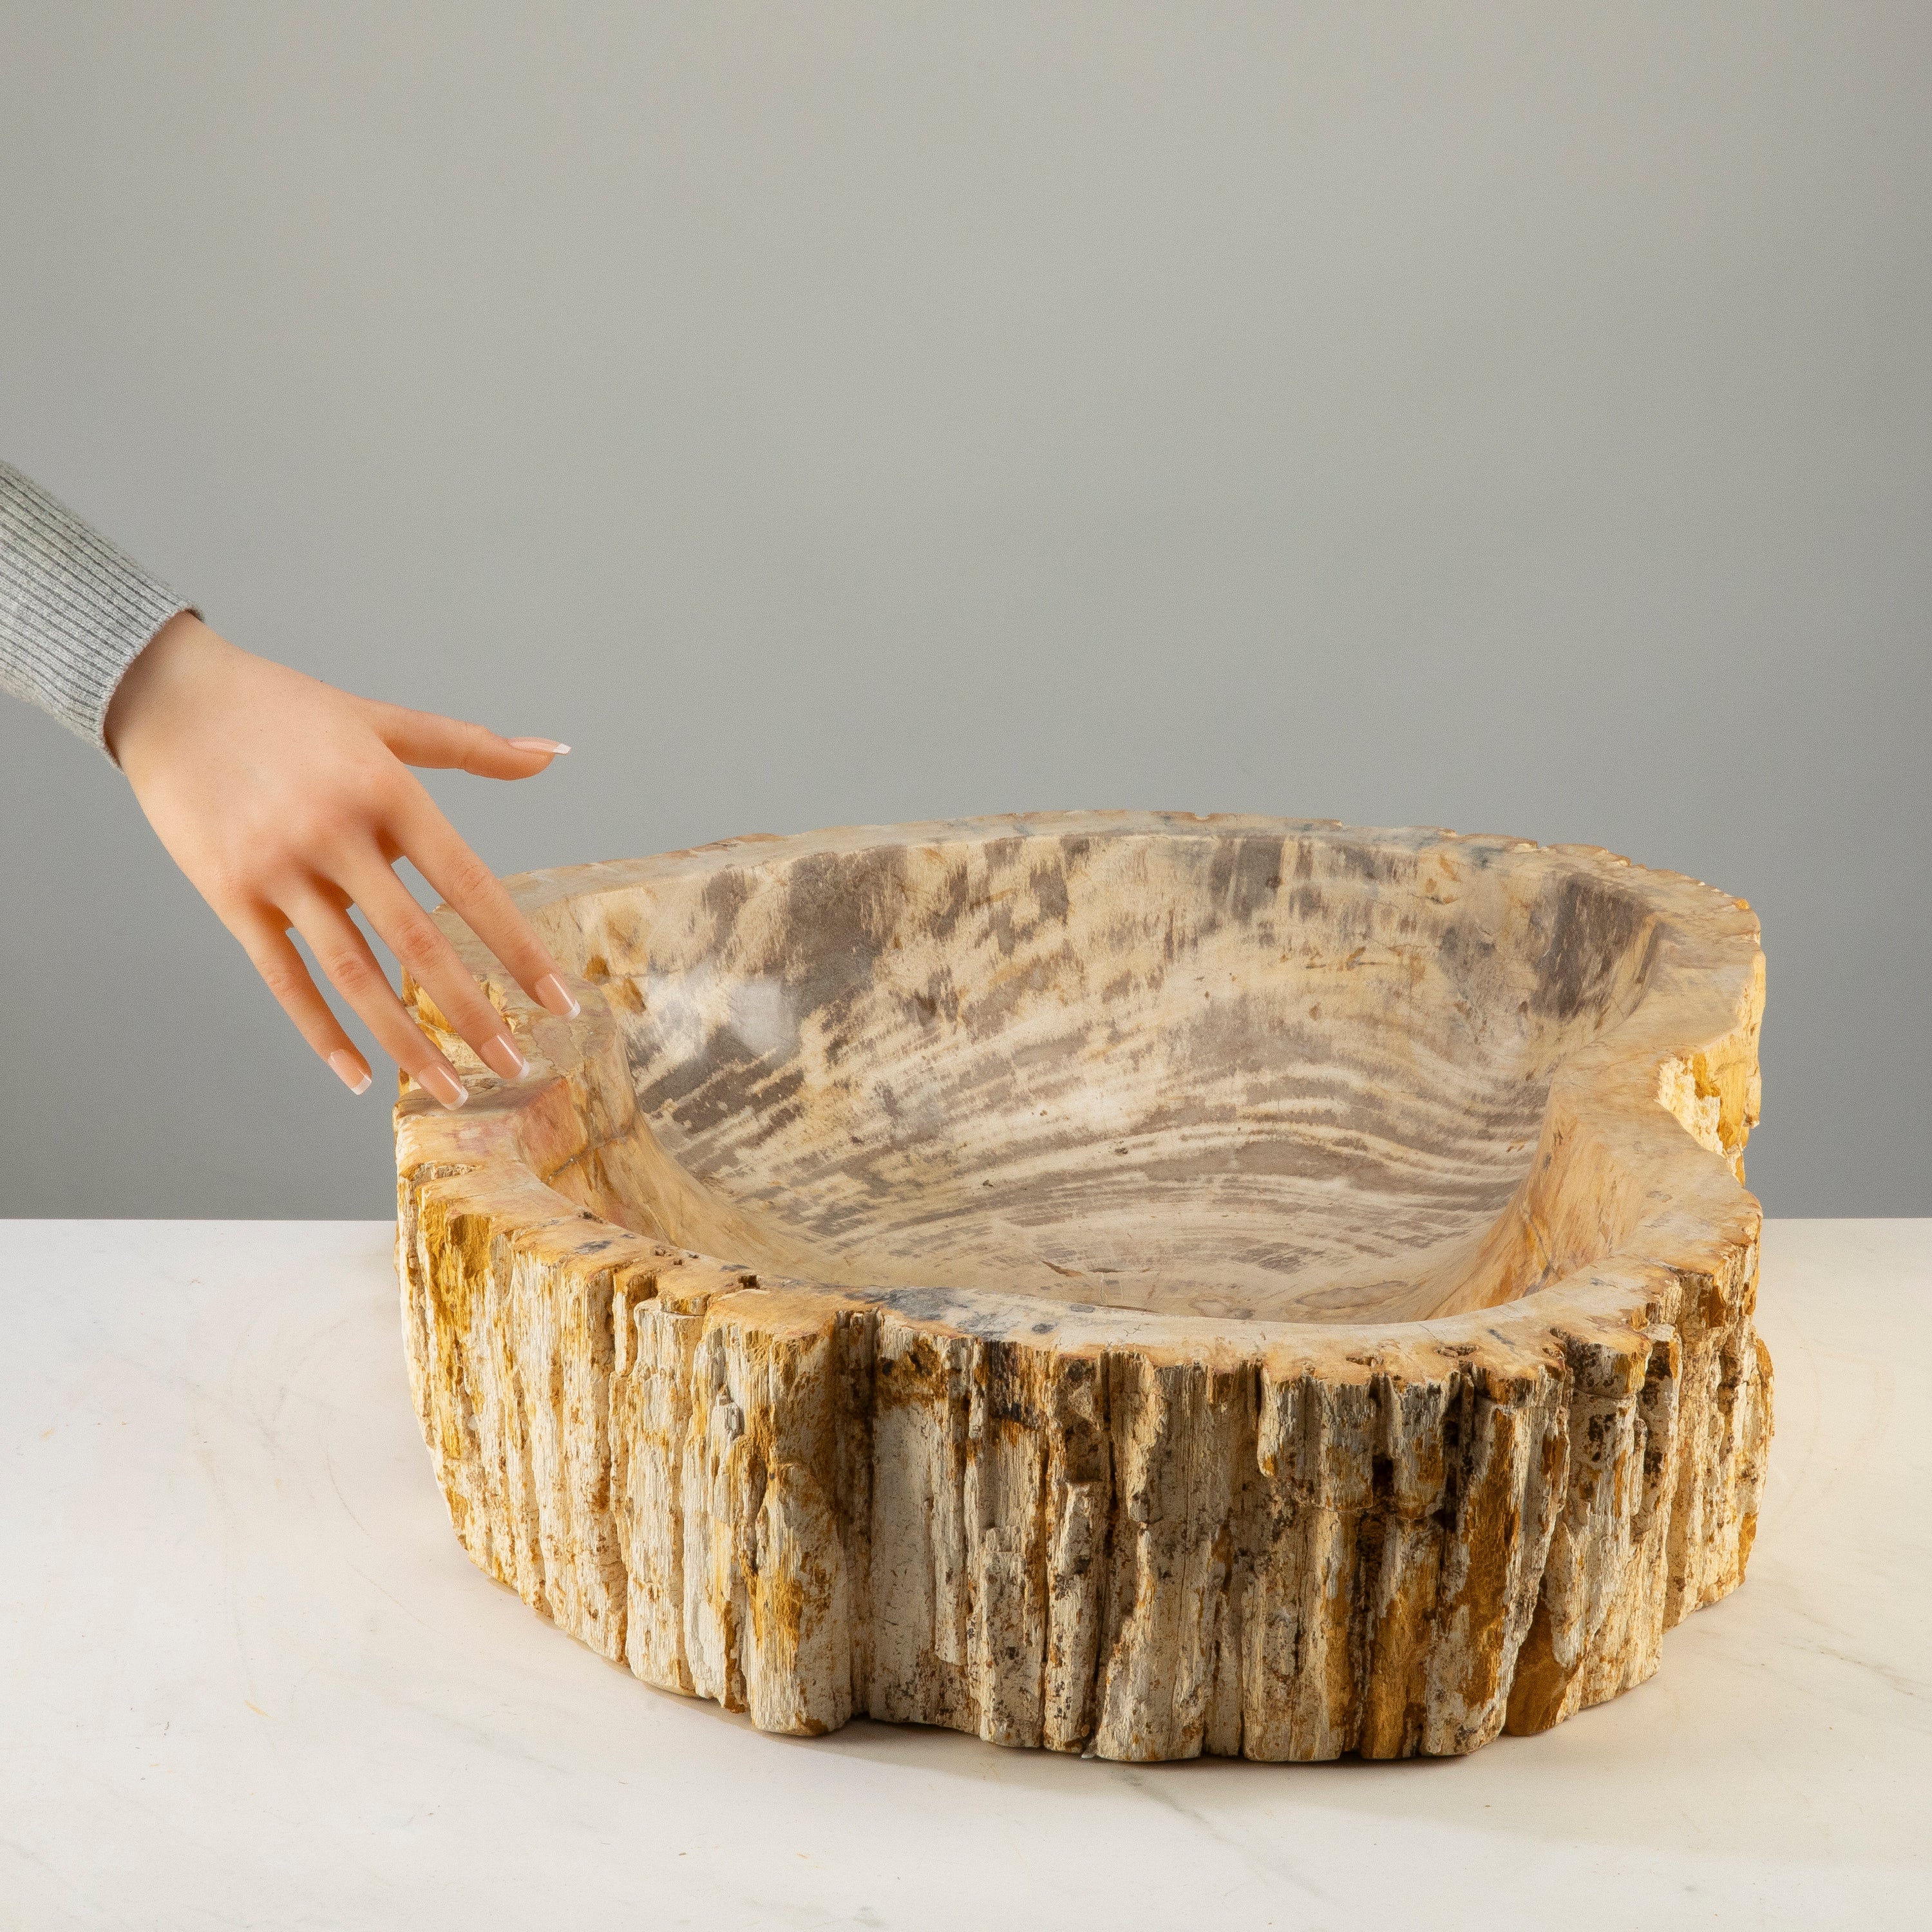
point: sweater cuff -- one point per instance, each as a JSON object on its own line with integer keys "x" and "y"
{"x": 75, "y": 610}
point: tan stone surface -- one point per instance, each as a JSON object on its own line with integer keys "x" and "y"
{"x": 1119, "y": 1283}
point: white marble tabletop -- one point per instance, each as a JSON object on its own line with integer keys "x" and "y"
{"x": 250, "y": 1680}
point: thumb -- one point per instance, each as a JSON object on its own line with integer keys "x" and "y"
{"x": 448, "y": 744}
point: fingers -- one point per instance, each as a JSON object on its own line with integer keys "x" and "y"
{"x": 281, "y": 968}
{"x": 422, "y": 738}
{"x": 419, "y": 943}
{"x": 420, "y": 833}
{"x": 344, "y": 956}
{"x": 431, "y": 844}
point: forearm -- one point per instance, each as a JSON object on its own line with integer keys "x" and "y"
{"x": 75, "y": 611}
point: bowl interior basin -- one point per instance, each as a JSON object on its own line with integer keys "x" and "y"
{"x": 1248, "y": 1076}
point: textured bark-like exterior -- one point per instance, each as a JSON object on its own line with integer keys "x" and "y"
{"x": 1123, "y": 1283}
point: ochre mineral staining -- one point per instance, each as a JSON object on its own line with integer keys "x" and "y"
{"x": 1118, "y": 1283}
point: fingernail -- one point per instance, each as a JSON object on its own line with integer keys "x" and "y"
{"x": 350, "y": 1071}
{"x": 500, "y": 1056}
{"x": 444, "y": 1085}
{"x": 548, "y": 746}
{"x": 556, "y": 995}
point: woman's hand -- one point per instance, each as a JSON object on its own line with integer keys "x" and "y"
{"x": 285, "y": 801}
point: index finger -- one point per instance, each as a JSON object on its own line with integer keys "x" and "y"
{"x": 431, "y": 844}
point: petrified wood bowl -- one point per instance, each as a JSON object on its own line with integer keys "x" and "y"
{"x": 1122, "y": 1282}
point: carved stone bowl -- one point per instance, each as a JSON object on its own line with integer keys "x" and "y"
{"x": 1123, "y": 1282}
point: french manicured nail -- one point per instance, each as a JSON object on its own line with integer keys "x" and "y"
{"x": 549, "y": 747}
{"x": 350, "y": 1071}
{"x": 444, "y": 1085}
{"x": 500, "y": 1056}
{"x": 556, "y": 995}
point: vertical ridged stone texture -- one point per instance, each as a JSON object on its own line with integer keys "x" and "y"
{"x": 1118, "y": 1283}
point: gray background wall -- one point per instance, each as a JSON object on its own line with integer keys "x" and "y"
{"x": 1513, "y": 417}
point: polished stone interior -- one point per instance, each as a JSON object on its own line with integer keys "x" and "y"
{"x": 1249, "y": 1076}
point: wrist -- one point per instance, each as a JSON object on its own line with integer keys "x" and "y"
{"x": 159, "y": 677}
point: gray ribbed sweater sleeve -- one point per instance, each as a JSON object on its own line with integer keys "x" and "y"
{"x": 74, "y": 611}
